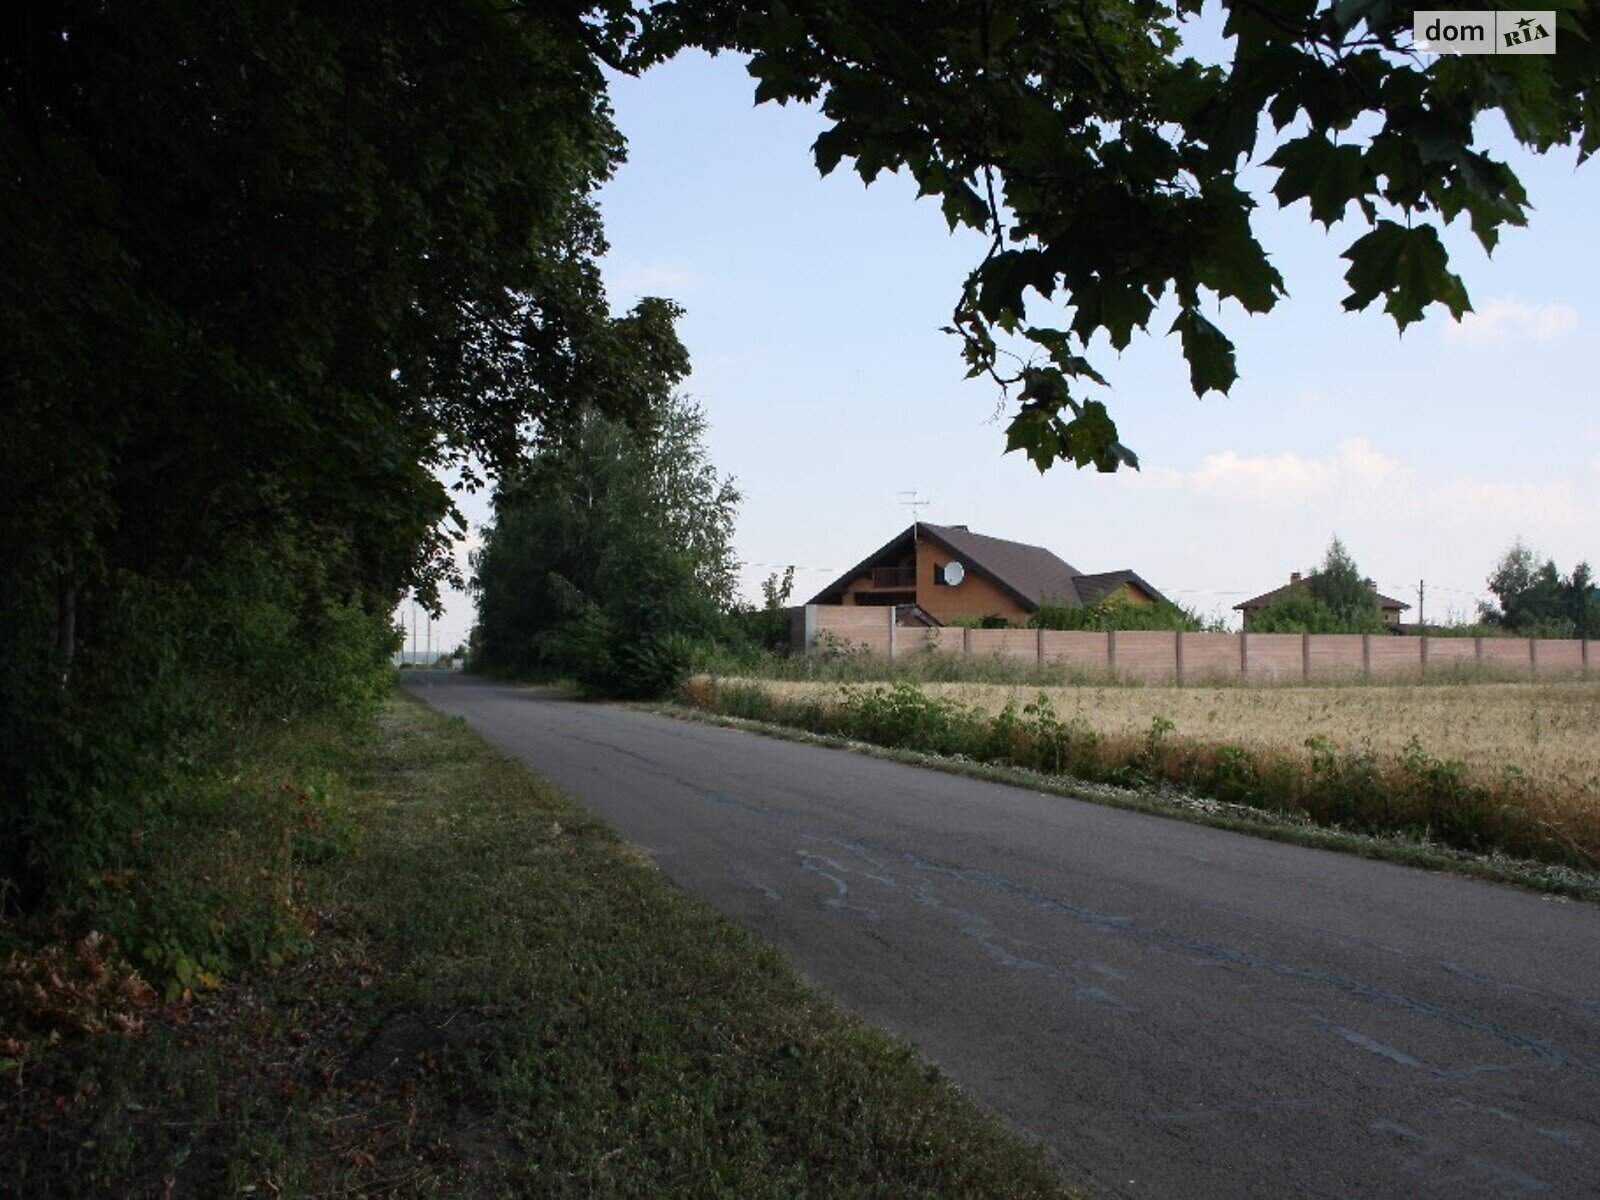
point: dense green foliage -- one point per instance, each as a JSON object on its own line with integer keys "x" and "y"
{"x": 1118, "y": 613}
{"x": 609, "y": 556}
{"x": 1333, "y": 598}
{"x": 269, "y": 271}
{"x": 1535, "y": 600}
{"x": 768, "y": 626}
{"x": 1414, "y": 793}
{"x": 1341, "y": 588}
{"x": 1297, "y": 611}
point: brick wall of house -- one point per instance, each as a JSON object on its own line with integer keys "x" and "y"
{"x": 973, "y": 597}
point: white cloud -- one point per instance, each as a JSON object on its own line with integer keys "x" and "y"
{"x": 1234, "y": 524}
{"x": 1358, "y": 481}
{"x": 1530, "y": 504}
{"x": 1354, "y": 470}
{"x": 1508, "y": 318}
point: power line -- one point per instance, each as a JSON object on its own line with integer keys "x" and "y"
{"x": 787, "y": 566}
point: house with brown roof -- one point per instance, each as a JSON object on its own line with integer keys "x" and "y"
{"x": 1251, "y": 608}
{"x": 942, "y": 573}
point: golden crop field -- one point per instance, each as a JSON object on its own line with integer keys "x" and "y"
{"x": 1548, "y": 731}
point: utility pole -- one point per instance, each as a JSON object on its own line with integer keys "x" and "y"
{"x": 1422, "y": 587}
{"x": 413, "y": 630}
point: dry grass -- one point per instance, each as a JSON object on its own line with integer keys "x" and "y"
{"x": 1548, "y": 731}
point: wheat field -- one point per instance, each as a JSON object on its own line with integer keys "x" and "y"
{"x": 1548, "y": 731}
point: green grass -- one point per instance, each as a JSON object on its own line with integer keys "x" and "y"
{"x": 500, "y": 997}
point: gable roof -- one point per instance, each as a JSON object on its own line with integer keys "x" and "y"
{"x": 1278, "y": 593}
{"x": 895, "y": 546}
{"x": 1031, "y": 575}
{"x": 1092, "y": 587}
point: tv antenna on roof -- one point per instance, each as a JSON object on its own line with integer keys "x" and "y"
{"x": 916, "y": 505}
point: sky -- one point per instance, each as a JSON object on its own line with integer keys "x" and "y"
{"x": 812, "y": 315}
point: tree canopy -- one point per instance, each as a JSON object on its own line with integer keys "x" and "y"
{"x": 271, "y": 271}
{"x": 1534, "y": 598}
{"x": 1341, "y": 588}
{"x": 1333, "y": 598}
{"x": 610, "y": 552}
{"x": 1118, "y": 612}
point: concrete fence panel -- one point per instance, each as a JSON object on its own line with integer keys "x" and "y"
{"x": 863, "y": 628}
{"x": 1507, "y": 655}
{"x": 844, "y": 617}
{"x": 1075, "y": 650}
{"x": 1276, "y": 657}
{"x": 1334, "y": 656}
{"x": 1452, "y": 654}
{"x": 1160, "y": 657}
{"x": 946, "y": 639}
{"x": 1150, "y": 655}
{"x": 1396, "y": 656}
{"x": 1560, "y": 656}
{"x": 1208, "y": 656}
{"x": 1021, "y": 645}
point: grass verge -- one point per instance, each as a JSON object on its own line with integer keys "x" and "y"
{"x": 1138, "y": 774}
{"x": 499, "y": 997}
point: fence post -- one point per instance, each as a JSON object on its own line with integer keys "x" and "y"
{"x": 1305, "y": 658}
{"x": 1038, "y": 645}
{"x": 1533, "y": 656}
{"x": 808, "y": 628}
{"x": 1424, "y": 654}
{"x": 966, "y": 641}
{"x": 1366, "y": 655}
{"x": 1586, "y": 658}
{"x": 1177, "y": 655}
{"x": 1244, "y": 655}
{"x": 1111, "y": 651}
{"x": 893, "y": 628}
{"x": 1477, "y": 649}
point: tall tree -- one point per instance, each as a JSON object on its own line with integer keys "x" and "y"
{"x": 271, "y": 270}
{"x": 1333, "y": 598}
{"x": 1345, "y": 592}
{"x": 332, "y": 248}
{"x": 611, "y": 550}
{"x": 1533, "y": 598}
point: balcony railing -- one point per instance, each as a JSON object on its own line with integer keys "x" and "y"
{"x": 894, "y": 577}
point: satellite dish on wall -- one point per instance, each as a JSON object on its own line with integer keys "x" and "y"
{"x": 954, "y": 573}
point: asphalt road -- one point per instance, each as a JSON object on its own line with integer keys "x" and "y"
{"x": 1176, "y": 1011}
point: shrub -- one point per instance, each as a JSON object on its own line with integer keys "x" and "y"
{"x": 903, "y": 715}
{"x": 1117, "y": 613}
